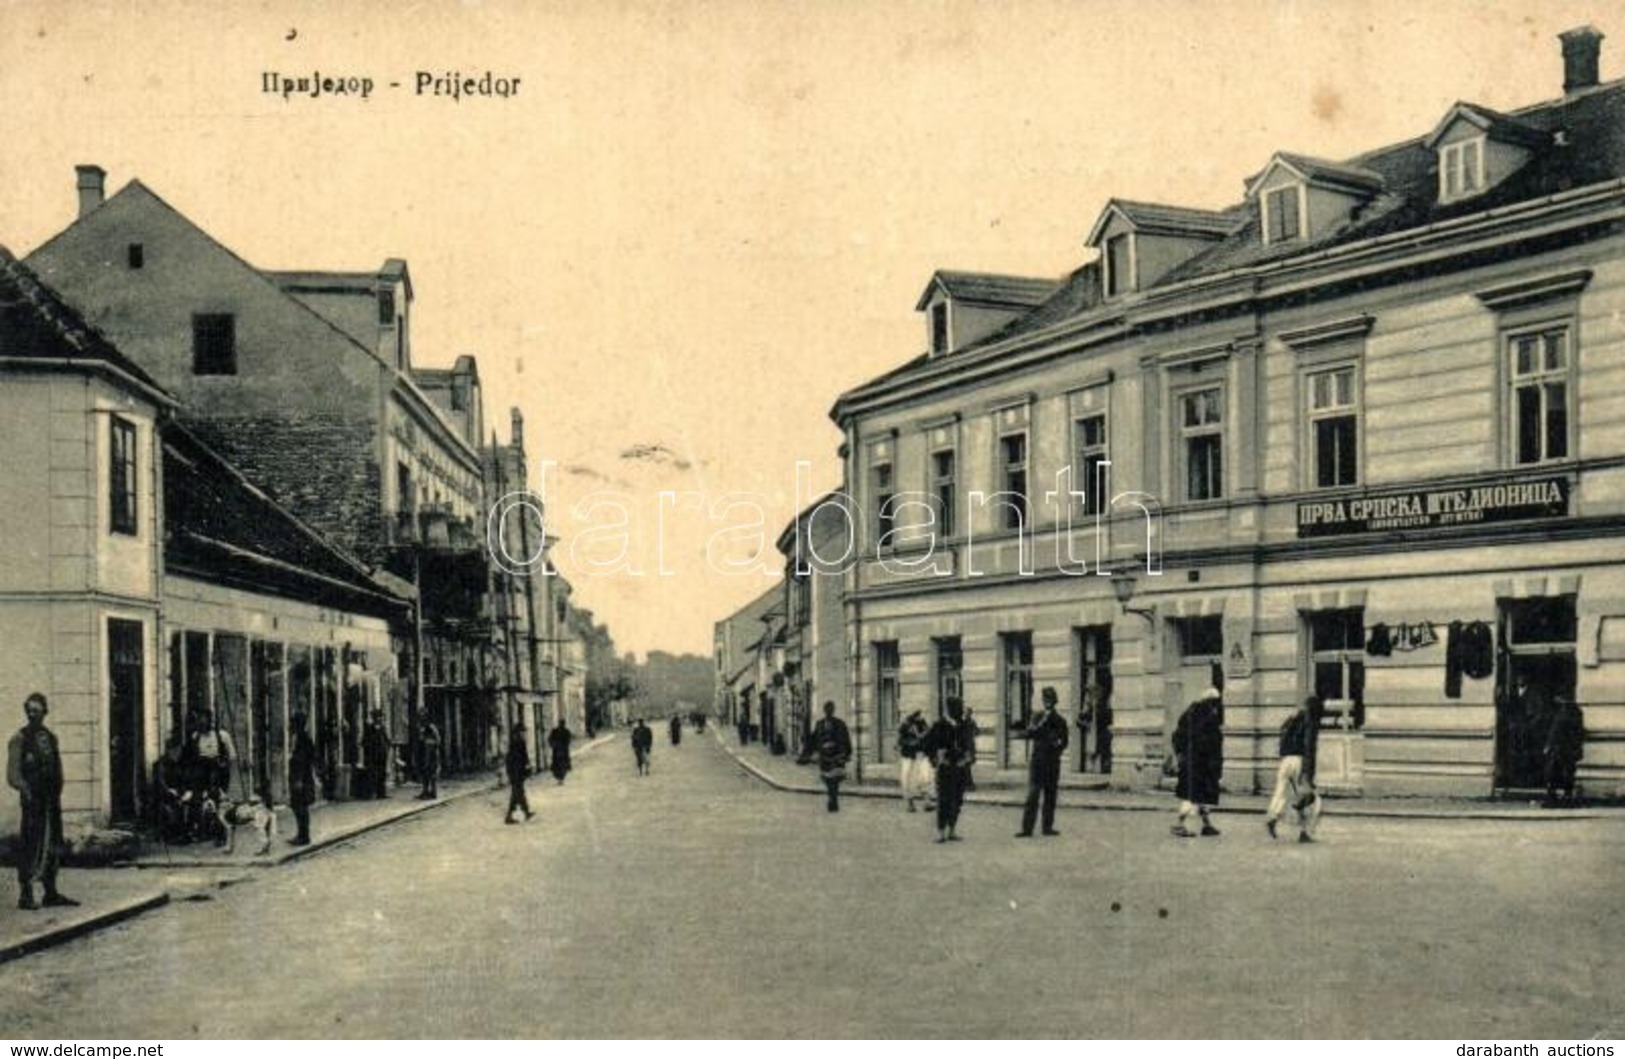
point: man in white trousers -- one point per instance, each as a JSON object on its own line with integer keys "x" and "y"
{"x": 1295, "y": 776}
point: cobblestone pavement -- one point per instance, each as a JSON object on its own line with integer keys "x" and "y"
{"x": 700, "y": 902}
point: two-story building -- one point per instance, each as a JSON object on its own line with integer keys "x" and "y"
{"x": 304, "y": 381}
{"x": 149, "y": 588}
{"x": 1360, "y": 435}
{"x": 814, "y": 657}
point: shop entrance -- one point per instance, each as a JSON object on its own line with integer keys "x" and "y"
{"x": 1092, "y": 647}
{"x": 126, "y": 709}
{"x": 1536, "y": 667}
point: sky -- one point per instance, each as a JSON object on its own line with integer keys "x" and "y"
{"x": 692, "y": 225}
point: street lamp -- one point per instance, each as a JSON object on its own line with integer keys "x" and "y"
{"x": 1123, "y": 585}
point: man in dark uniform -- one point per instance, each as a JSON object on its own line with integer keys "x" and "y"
{"x": 643, "y": 742}
{"x": 376, "y": 750}
{"x": 518, "y": 765}
{"x": 1564, "y": 746}
{"x": 34, "y": 770}
{"x": 301, "y": 778}
{"x": 1048, "y": 737}
{"x": 428, "y": 759}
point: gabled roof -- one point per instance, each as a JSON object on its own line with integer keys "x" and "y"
{"x": 1157, "y": 219}
{"x": 1496, "y": 125}
{"x": 987, "y": 288}
{"x": 341, "y": 282}
{"x": 1340, "y": 176}
{"x": 37, "y": 325}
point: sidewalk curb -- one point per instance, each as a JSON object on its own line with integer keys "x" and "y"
{"x": 318, "y": 845}
{"x": 89, "y": 925}
{"x": 130, "y": 909}
{"x": 1344, "y": 807}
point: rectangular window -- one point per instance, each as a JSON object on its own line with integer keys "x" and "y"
{"x": 1201, "y": 639}
{"x": 950, "y": 672}
{"x": 136, "y": 255}
{"x": 942, "y": 488}
{"x": 939, "y": 327}
{"x": 885, "y": 503}
{"x": 1089, "y": 441}
{"x": 1337, "y": 664}
{"x": 1541, "y": 367}
{"x": 1201, "y": 430}
{"x": 1016, "y": 678}
{"x": 1334, "y": 418}
{"x": 1461, "y": 169}
{"x": 121, "y": 478}
{"x": 1282, "y": 218}
{"x": 386, "y": 307}
{"x": 887, "y": 685}
{"x": 1119, "y": 265}
{"x": 1013, "y": 474}
{"x": 214, "y": 344}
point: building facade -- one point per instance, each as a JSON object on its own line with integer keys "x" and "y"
{"x": 304, "y": 381}
{"x": 1359, "y": 435}
{"x": 150, "y": 588}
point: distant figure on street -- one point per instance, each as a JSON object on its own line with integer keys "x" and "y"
{"x": 1565, "y": 745}
{"x": 915, "y": 778}
{"x": 558, "y": 747}
{"x": 1047, "y": 736}
{"x": 951, "y": 747}
{"x": 301, "y": 779}
{"x": 34, "y": 770}
{"x": 517, "y": 763}
{"x": 376, "y": 750}
{"x": 428, "y": 759}
{"x": 643, "y": 741}
{"x": 676, "y": 727}
{"x": 1295, "y": 775}
{"x": 832, "y": 744}
{"x": 1199, "y": 747}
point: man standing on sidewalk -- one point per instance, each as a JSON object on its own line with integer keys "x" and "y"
{"x": 1295, "y": 776}
{"x": 428, "y": 759}
{"x": 1047, "y": 736}
{"x": 301, "y": 778}
{"x": 34, "y": 770}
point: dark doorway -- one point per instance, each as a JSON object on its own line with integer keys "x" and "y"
{"x": 1536, "y": 668}
{"x": 1092, "y": 645}
{"x": 126, "y": 728}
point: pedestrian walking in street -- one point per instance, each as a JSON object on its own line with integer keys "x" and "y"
{"x": 518, "y": 766}
{"x": 1295, "y": 775}
{"x": 301, "y": 779}
{"x": 676, "y": 728}
{"x": 1199, "y": 747}
{"x": 428, "y": 759}
{"x": 915, "y": 778}
{"x": 558, "y": 747}
{"x": 832, "y": 744}
{"x": 1047, "y": 738}
{"x": 376, "y": 751}
{"x": 34, "y": 770}
{"x": 643, "y": 742}
{"x": 951, "y": 747}
{"x": 1565, "y": 745}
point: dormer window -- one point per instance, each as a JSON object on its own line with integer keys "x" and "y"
{"x": 1461, "y": 169}
{"x": 1283, "y": 218}
{"x": 939, "y": 327}
{"x": 1119, "y": 265}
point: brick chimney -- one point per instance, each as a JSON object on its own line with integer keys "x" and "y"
{"x": 92, "y": 187}
{"x": 518, "y": 439}
{"x": 1582, "y": 48}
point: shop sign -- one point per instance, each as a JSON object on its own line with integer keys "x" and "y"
{"x": 1406, "y": 509}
